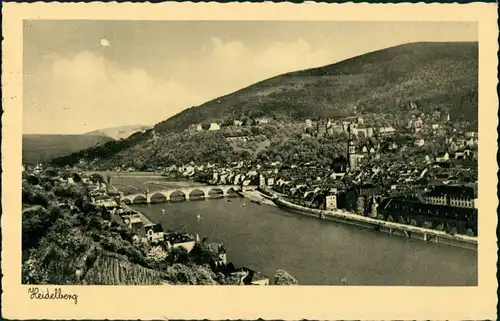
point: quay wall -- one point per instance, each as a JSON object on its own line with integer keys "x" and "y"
{"x": 383, "y": 226}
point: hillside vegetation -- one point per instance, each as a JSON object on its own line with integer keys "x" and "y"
{"x": 67, "y": 240}
{"x": 41, "y": 148}
{"x": 380, "y": 85}
{"x": 433, "y": 75}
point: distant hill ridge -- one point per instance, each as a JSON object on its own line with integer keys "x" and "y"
{"x": 44, "y": 147}
{"x": 120, "y": 132}
{"x": 40, "y": 148}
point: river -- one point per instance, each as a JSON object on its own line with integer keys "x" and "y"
{"x": 316, "y": 252}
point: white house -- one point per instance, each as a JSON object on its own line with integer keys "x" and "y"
{"x": 387, "y": 130}
{"x": 263, "y": 120}
{"x": 331, "y": 202}
{"x": 470, "y": 134}
{"x": 214, "y": 126}
{"x": 445, "y": 158}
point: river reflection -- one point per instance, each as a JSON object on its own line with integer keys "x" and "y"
{"x": 316, "y": 252}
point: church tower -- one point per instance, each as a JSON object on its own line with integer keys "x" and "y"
{"x": 351, "y": 155}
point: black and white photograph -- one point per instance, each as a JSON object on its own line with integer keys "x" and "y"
{"x": 149, "y": 150}
{"x": 249, "y": 153}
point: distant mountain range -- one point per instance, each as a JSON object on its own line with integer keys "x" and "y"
{"x": 41, "y": 148}
{"x": 118, "y": 133}
{"x": 434, "y": 76}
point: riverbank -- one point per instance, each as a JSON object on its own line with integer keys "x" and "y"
{"x": 257, "y": 197}
{"x": 392, "y": 228}
{"x": 145, "y": 220}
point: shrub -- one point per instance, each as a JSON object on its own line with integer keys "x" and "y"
{"x": 282, "y": 277}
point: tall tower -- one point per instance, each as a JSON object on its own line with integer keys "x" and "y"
{"x": 351, "y": 155}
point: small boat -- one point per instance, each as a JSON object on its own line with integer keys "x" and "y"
{"x": 229, "y": 201}
{"x": 163, "y": 211}
{"x": 244, "y": 205}
{"x": 198, "y": 217}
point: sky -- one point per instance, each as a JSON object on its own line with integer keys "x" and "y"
{"x": 83, "y": 75}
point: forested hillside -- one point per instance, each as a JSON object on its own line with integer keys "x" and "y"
{"x": 67, "y": 240}
{"x": 381, "y": 85}
{"x": 433, "y": 75}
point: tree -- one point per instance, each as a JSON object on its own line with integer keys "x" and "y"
{"x": 33, "y": 180}
{"x": 282, "y": 277}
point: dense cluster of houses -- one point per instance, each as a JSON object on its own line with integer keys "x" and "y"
{"x": 357, "y": 127}
{"x": 363, "y": 165}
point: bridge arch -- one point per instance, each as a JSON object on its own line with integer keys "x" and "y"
{"x": 139, "y": 199}
{"x": 215, "y": 192}
{"x": 231, "y": 192}
{"x": 158, "y": 198}
{"x": 177, "y": 196}
{"x": 197, "y": 194}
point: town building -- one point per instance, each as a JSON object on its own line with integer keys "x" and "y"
{"x": 262, "y": 120}
{"x": 132, "y": 221}
{"x": 451, "y": 195}
{"x": 351, "y": 156}
{"x": 218, "y": 255}
{"x": 336, "y": 128}
{"x": 387, "y": 131}
{"x": 195, "y": 128}
{"x": 354, "y": 129}
{"x": 322, "y": 129}
{"x": 251, "y": 277}
{"x": 214, "y": 126}
{"x": 464, "y": 219}
{"x": 331, "y": 200}
{"x": 184, "y": 240}
{"x": 470, "y": 134}
{"x": 154, "y": 233}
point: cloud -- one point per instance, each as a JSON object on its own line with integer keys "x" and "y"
{"x": 231, "y": 65}
{"x": 105, "y": 43}
{"x": 87, "y": 92}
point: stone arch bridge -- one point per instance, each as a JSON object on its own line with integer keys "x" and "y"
{"x": 182, "y": 193}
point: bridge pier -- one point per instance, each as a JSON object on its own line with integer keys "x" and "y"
{"x": 429, "y": 237}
